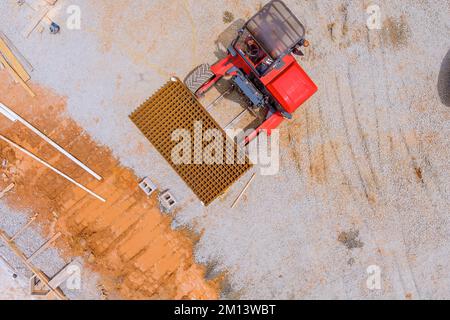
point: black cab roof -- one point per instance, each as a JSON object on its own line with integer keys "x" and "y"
{"x": 276, "y": 29}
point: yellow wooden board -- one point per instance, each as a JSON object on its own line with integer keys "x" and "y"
{"x": 12, "y": 60}
{"x": 16, "y": 76}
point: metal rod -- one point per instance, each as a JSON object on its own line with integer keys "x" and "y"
{"x": 237, "y": 119}
{"x": 51, "y": 168}
{"x": 11, "y": 115}
{"x": 212, "y": 104}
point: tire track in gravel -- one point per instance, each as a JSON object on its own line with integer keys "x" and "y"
{"x": 371, "y": 234}
{"x": 404, "y": 253}
{"x": 412, "y": 159}
{"x": 364, "y": 185}
{"x": 322, "y": 150}
{"x": 308, "y": 141}
{"x": 333, "y": 148}
{"x": 375, "y": 105}
{"x": 421, "y": 154}
{"x": 361, "y": 132}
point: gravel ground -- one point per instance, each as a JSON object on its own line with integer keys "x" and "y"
{"x": 366, "y": 157}
{"x": 50, "y": 261}
{"x": 12, "y": 288}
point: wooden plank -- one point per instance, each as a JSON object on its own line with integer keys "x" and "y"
{"x": 10, "y": 114}
{"x": 63, "y": 275}
{"x": 16, "y": 76}
{"x": 243, "y": 191}
{"x": 18, "y": 233}
{"x": 6, "y": 190}
{"x": 34, "y": 22}
{"x": 39, "y": 274}
{"x": 37, "y": 287}
{"x": 13, "y": 61}
{"x": 28, "y": 67}
{"x": 57, "y": 279}
{"x": 45, "y": 246}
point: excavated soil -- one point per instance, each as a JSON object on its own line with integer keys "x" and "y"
{"x": 127, "y": 240}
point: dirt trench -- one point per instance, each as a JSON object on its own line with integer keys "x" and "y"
{"x": 126, "y": 240}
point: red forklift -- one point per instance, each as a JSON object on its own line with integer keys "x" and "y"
{"x": 261, "y": 64}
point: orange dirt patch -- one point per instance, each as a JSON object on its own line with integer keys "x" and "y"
{"x": 318, "y": 169}
{"x": 127, "y": 240}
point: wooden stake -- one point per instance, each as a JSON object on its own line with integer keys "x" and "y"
{"x": 6, "y": 190}
{"x": 18, "y": 233}
{"x": 243, "y": 191}
{"x": 28, "y": 153}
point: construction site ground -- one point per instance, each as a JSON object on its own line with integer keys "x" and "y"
{"x": 364, "y": 174}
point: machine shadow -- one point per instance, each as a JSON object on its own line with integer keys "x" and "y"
{"x": 444, "y": 81}
{"x": 221, "y": 44}
{"x": 226, "y": 37}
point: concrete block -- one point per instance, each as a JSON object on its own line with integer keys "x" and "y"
{"x": 147, "y": 186}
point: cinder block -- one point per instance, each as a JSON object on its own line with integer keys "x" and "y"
{"x": 167, "y": 201}
{"x": 147, "y": 186}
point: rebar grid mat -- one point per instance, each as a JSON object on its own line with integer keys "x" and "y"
{"x": 174, "y": 107}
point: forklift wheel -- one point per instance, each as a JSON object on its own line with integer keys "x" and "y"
{"x": 198, "y": 77}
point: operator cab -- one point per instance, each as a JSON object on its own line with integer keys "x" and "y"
{"x": 256, "y": 56}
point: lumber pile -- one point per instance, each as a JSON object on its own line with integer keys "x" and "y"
{"x": 10, "y": 58}
{"x": 13, "y": 65}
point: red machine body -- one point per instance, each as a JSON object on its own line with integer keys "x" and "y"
{"x": 261, "y": 63}
{"x": 291, "y": 86}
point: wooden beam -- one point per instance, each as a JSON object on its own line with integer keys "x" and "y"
{"x": 28, "y": 66}
{"x": 6, "y": 190}
{"x": 12, "y": 60}
{"x": 39, "y": 274}
{"x": 57, "y": 279}
{"x": 16, "y": 77}
{"x": 34, "y": 22}
{"x": 38, "y": 288}
{"x": 18, "y": 233}
{"x": 45, "y": 246}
